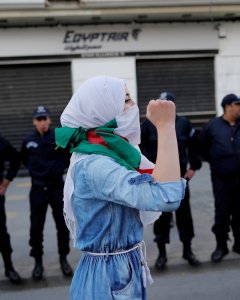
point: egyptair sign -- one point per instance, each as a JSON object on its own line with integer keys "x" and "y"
{"x": 75, "y": 40}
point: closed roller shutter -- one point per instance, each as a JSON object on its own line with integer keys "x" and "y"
{"x": 190, "y": 79}
{"x": 23, "y": 87}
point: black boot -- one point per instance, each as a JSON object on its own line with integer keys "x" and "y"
{"x": 38, "y": 269}
{"x": 66, "y": 268}
{"x": 162, "y": 257}
{"x": 189, "y": 255}
{"x": 220, "y": 251}
{"x": 12, "y": 275}
{"x": 10, "y": 272}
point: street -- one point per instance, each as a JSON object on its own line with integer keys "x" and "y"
{"x": 178, "y": 281}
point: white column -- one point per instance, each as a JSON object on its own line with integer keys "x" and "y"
{"x": 121, "y": 67}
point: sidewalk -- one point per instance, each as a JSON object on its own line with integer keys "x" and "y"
{"x": 17, "y": 206}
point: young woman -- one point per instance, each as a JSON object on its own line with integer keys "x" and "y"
{"x": 109, "y": 194}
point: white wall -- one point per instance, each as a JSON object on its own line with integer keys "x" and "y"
{"x": 122, "y": 67}
{"x": 227, "y": 63}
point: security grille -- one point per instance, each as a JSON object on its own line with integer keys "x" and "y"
{"x": 190, "y": 79}
{"x": 25, "y": 86}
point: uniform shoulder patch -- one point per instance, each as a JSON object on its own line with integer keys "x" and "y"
{"x": 31, "y": 144}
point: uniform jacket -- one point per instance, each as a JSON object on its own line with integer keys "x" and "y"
{"x": 186, "y": 139}
{"x": 219, "y": 143}
{"x": 8, "y": 154}
{"x": 39, "y": 155}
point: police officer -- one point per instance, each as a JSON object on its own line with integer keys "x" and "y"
{"x": 7, "y": 153}
{"x": 46, "y": 166}
{"x": 186, "y": 138}
{"x": 220, "y": 146}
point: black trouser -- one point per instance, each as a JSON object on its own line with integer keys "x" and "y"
{"x": 183, "y": 220}
{"x": 227, "y": 207}
{"x": 44, "y": 192}
{"x": 5, "y": 244}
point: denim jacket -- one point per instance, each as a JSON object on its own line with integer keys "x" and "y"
{"x": 106, "y": 202}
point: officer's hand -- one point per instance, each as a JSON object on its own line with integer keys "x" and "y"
{"x": 189, "y": 174}
{"x": 161, "y": 113}
{"x": 3, "y": 186}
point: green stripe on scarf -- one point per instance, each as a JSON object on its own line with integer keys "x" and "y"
{"x": 118, "y": 148}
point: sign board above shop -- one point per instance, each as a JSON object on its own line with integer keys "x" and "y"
{"x": 106, "y": 40}
{"x": 22, "y": 4}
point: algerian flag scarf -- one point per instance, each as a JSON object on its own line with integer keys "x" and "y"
{"x": 94, "y": 121}
{"x": 101, "y": 140}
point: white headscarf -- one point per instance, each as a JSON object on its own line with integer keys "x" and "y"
{"x": 97, "y": 101}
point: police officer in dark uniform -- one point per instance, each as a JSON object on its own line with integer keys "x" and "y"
{"x": 186, "y": 138}
{"x": 46, "y": 166}
{"x": 9, "y": 154}
{"x": 220, "y": 146}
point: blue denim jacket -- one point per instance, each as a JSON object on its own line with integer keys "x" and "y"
{"x": 106, "y": 202}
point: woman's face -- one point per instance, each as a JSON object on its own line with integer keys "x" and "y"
{"x": 128, "y": 101}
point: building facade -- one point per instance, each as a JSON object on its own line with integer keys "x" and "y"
{"x": 47, "y": 48}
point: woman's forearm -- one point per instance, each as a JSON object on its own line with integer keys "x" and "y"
{"x": 162, "y": 114}
{"x": 167, "y": 167}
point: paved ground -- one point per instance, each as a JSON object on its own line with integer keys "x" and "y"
{"x": 178, "y": 281}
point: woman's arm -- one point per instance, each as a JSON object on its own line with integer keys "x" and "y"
{"x": 162, "y": 114}
{"x": 109, "y": 181}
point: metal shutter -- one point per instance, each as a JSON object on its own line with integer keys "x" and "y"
{"x": 23, "y": 87}
{"x": 190, "y": 79}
